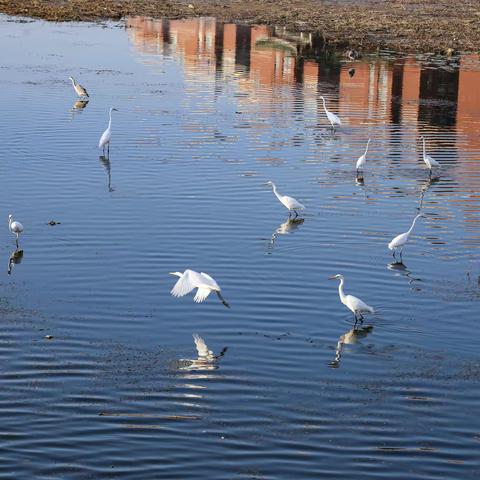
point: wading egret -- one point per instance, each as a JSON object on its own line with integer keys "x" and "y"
{"x": 79, "y": 90}
{"x": 190, "y": 280}
{"x": 429, "y": 161}
{"x": 288, "y": 202}
{"x": 105, "y": 138}
{"x": 401, "y": 240}
{"x": 363, "y": 159}
{"x": 354, "y": 304}
{"x": 15, "y": 227}
{"x": 332, "y": 118}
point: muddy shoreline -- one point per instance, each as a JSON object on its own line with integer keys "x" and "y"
{"x": 436, "y": 26}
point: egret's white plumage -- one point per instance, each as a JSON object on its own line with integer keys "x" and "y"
{"x": 354, "y": 304}
{"x": 105, "y": 138}
{"x": 79, "y": 90}
{"x": 332, "y": 118}
{"x": 15, "y": 227}
{"x": 429, "y": 161}
{"x": 401, "y": 240}
{"x": 204, "y": 283}
{"x": 289, "y": 202}
{"x": 363, "y": 159}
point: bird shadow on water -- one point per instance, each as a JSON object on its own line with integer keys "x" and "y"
{"x": 289, "y": 226}
{"x": 105, "y": 161}
{"x": 349, "y": 338}
{"x": 15, "y": 259}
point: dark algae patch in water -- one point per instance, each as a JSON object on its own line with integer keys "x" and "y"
{"x": 441, "y": 26}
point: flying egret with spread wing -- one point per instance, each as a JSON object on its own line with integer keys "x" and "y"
{"x": 204, "y": 283}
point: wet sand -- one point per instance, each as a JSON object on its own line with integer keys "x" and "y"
{"x": 437, "y": 26}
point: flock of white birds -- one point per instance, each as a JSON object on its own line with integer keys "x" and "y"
{"x": 204, "y": 284}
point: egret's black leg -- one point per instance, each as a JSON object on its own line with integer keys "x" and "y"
{"x": 222, "y": 299}
{"x": 296, "y": 214}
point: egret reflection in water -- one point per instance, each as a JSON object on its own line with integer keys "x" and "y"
{"x": 105, "y": 161}
{"x": 402, "y": 270}
{"x": 349, "y": 338}
{"x": 425, "y": 187}
{"x": 15, "y": 258}
{"x": 289, "y": 226}
{"x": 206, "y": 359}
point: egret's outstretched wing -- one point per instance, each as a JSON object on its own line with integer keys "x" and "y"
{"x": 202, "y": 294}
{"x": 201, "y": 346}
{"x": 186, "y": 283}
{"x": 209, "y": 281}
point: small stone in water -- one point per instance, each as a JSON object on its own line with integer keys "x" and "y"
{"x": 49, "y": 337}
{"x": 53, "y": 222}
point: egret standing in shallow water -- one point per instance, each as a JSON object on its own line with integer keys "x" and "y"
{"x": 79, "y": 90}
{"x": 15, "y": 227}
{"x": 401, "y": 240}
{"x": 289, "y": 202}
{"x": 105, "y": 138}
{"x": 354, "y": 304}
{"x": 363, "y": 159}
{"x": 429, "y": 161}
{"x": 332, "y": 118}
{"x": 190, "y": 280}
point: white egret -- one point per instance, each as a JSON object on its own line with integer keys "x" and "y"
{"x": 289, "y": 202}
{"x": 79, "y": 90}
{"x": 332, "y": 118}
{"x": 401, "y": 240}
{"x": 354, "y": 304}
{"x": 429, "y": 161}
{"x": 15, "y": 227}
{"x": 105, "y": 138}
{"x": 203, "y": 282}
{"x": 363, "y": 159}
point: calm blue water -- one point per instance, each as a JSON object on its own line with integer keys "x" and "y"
{"x": 206, "y": 117}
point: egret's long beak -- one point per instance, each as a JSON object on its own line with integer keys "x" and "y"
{"x": 116, "y": 109}
{"x": 332, "y": 278}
